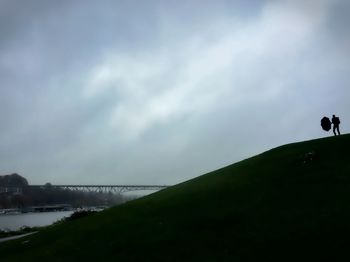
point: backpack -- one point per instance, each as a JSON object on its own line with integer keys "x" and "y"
{"x": 336, "y": 121}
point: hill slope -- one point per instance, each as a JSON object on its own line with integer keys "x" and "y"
{"x": 292, "y": 202}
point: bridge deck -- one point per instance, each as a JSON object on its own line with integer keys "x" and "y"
{"x": 88, "y": 188}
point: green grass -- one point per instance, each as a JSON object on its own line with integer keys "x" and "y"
{"x": 281, "y": 205}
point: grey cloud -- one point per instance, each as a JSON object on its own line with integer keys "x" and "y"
{"x": 159, "y": 92}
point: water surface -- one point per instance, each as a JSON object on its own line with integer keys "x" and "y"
{"x": 16, "y": 221}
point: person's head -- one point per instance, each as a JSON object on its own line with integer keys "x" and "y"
{"x": 333, "y": 115}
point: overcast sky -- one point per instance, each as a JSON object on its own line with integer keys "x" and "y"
{"x": 158, "y": 92}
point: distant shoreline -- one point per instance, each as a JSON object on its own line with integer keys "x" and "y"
{"x": 45, "y": 209}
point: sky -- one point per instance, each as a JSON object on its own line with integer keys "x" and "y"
{"x": 159, "y": 92}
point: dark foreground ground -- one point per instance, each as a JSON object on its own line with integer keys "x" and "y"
{"x": 290, "y": 203}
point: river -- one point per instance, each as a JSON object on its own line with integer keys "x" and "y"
{"x": 16, "y": 221}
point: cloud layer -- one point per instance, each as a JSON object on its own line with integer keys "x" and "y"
{"x": 118, "y": 92}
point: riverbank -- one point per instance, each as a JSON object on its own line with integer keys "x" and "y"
{"x": 34, "y": 209}
{"x": 4, "y": 239}
{"x": 49, "y": 208}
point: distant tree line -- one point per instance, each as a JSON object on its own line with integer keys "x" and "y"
{"x": 49, "y": 195}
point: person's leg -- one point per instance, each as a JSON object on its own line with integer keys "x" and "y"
{"x": 334, "y": 127}
{"x": 338, "y": 130}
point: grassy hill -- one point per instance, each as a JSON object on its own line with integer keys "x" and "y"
{"x": 289, "y": 203}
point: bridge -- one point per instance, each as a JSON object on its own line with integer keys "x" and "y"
{"x": 117, "y": 189}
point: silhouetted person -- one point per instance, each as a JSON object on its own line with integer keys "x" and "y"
{"x": 336, "y": 123}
